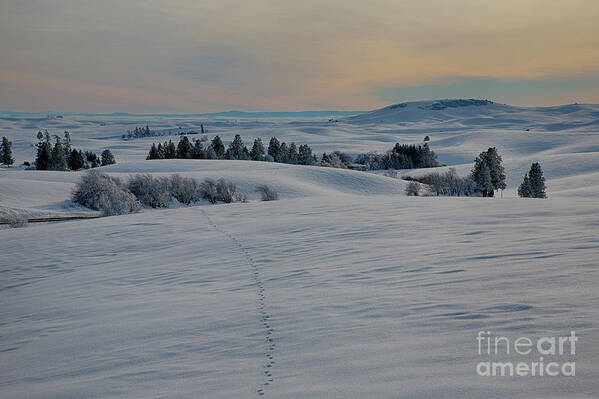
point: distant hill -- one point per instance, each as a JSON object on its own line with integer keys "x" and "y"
{"x": 483, "y": 113}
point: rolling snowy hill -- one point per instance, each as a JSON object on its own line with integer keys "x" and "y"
{"x": 344, "y": 288}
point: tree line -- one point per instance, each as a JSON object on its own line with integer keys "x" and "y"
{"x": 62, "y": 156}
{"x": 401, "y": 156}
{"x": 144, "y": 131}
{"x": 237, "y": 150}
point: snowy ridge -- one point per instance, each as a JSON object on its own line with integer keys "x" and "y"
{"x": 483, "y": 113}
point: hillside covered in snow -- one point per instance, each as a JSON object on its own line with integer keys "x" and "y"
{"x": 343, "y": 288}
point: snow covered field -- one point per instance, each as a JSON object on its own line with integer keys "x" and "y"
{"x": 344, "y": 288}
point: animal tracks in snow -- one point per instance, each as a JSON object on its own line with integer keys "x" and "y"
{"x": 270, "y": 346}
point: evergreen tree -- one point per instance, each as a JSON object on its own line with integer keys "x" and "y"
{"x": 160, "y": 153}
{"x": 274, "y": 149}
{"x": 92, "y": 159}
{"x": 75, "y": 160}
{"x": 184, "y": 148}
{"x": 218, "y": 147}
{"x": 6, "y": 152}
{"x": 485, "y": 185}
{"x": 107, "y": 158}
{"x": 43, "y": 159}
{"x": 236, "y": 149}
{"x": 496, "y": 169}
{"x": 537, "y": 181}
{"x": 305, "y": 156}
{"x": 58, "y": 160}
{"x": 210, "y": 154}
{"x": 493, "y": 162}
{"x": 283, "y": 153}
{"x": 292, "y": 154}
{"x": 170, "y": 152}
{"x": 525, "y": 190}
{"x": 153, "y": 154}
{"x": 257, "y": 152}
{"x": 66, "y": 144}
{"x": 198, "y": 150}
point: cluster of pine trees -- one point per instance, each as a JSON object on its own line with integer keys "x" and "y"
{"x": 283, "y": 153}
{"x": 533, "y": 184}
{"x": 401, "y": 156}
{"x": 6, "y": 152}
{"x": 62, "y": 156}
{"x": 277, "y": 152}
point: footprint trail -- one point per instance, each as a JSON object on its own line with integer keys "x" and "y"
{"x": 265, "y": 319}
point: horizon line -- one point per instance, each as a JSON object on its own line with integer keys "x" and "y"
{"x": 236, "y": 111}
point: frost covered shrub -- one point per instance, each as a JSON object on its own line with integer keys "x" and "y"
{"x": 185, "y": 189}
{"x": 118, "y": 202}
{"x": 391, "y": 173}
{"x": 336, "y": 159}
{"x": 448, "y": 183}
{"x": 151, "y": 191}
{"x": 226, "y": 190}
{"x": 413, "y": 189}
{"x": 240, "y": 197}
{"x": 267, "y": 193}
{"x": 208, "y": 191}
{"x": 104, "y": 193}
{"x": 221, "y": 190}
{"x": 16, "y": 221}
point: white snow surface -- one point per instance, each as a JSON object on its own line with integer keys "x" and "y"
{"x": 344, "y": 288}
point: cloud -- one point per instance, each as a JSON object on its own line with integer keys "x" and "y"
{"x": 287, "y": 55}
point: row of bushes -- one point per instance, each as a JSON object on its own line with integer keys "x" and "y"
{"x": 446, "y": 183}
{"x": 113, "y": 196}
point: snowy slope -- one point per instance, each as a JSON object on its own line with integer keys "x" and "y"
{"x": 365, "y": 296}
{"x": 344, "y": 288}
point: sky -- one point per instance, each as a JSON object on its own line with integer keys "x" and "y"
{"x": 187, "y": 56}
